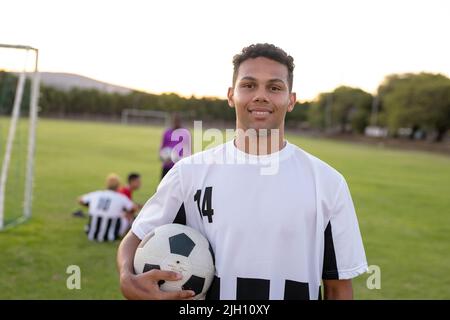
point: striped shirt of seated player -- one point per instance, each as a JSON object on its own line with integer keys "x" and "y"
{"x": 108, "y": 211}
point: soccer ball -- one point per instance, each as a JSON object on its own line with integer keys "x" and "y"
{"x": 165, "y": 154}
{"x": 168, "y": 153}
{"x": 175, "y": 247}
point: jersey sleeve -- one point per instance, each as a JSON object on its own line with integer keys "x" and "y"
{"x": 87, "y": 198}
{"x": 163, "y": 207}
{"x": 344, "y": 256}
{"x": 127, "y": 203}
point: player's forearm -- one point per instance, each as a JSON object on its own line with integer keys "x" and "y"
{"x": 338, "y": 290}
{"x": 81, "y": 202}
{"x": 125, "y": 254}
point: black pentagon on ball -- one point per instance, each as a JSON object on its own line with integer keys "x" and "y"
{"x": 181, "y": 244}
{"x": 195, "y": 284}
{"x": 148, "y": 267}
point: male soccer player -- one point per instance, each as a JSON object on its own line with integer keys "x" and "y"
{"x": 107, "y": 211}
{"x": 134, "y": 183}
{"x": 277, "y": 233}
{"x": 174, "y": 137}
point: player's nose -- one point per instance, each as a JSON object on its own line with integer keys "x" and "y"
{"x": 260, "y": 96}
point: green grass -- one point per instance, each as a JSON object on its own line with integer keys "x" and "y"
{"x": 15, "y": 186}
{"x": 402, "y": 200}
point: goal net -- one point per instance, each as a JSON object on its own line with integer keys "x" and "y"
{"x": 19, "y": 94}
{"x": 141, "y": 116}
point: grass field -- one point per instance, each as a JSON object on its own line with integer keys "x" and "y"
{"x": 402, "y": 199}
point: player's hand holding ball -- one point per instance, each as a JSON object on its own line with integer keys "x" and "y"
{"x": 175, "y": 258}
{"x": 145, "y": 286}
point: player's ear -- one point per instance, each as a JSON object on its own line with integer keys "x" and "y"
{"x": 230, "y": 96}
{"x": 292, "y": 101}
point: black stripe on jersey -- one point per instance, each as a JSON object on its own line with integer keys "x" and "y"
{"x": 95, "y": 224}
{"x": 181, "y": 216}
{"x": 252, "y": 289}
{"x": 108, "y": 225}
{"x": 214, "y": 290}
{"x": 330, "y": 270}
{"x": 88, "y": 226}
{"x": 294, "y": 290}
{"x": 320, "y": 293}
{"x": 117, "y": 230}
{"x": 98, "y": 226}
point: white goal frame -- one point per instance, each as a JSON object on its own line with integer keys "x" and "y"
{"x": 162, "y": 115}
{"x": 34, "y": 98}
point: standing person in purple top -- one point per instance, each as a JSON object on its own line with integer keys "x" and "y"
{"x": 175, "y": 144}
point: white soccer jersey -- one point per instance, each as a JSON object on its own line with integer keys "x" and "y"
{"x": 274, "y": 236}
{"x": 106, "y": 214}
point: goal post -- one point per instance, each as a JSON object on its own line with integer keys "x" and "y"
{"x": 155, "y": 117}
{"x": 139, "y": 115}
{"x": 20, "y": 91}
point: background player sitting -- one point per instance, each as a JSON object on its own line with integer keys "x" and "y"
{"x": 134, "y": 183}
{"x": 109, "y": 211}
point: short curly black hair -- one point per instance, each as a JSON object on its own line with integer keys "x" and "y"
{"x": 266, "y": 50}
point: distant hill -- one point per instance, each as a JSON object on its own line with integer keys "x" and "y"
{"x": 67, "y": 81}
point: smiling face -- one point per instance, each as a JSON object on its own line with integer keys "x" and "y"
{"x": 261, "y": 95}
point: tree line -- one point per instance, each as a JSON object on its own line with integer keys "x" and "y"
{"x": 420, "y": 102}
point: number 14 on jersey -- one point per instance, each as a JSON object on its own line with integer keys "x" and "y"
{"x": 206, "y": 210}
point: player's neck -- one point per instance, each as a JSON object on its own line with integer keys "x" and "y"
{"x": 259, "y": 143}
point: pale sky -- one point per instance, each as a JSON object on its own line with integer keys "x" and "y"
{"x": 187, "y": 46}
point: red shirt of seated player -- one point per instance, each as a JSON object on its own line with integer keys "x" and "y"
{"x": 125, "y": 190}
{"x": 134, "y": 183}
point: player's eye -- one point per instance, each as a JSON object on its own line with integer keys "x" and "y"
{"x": 275, "y": 88}
{"x": 248, "y": 85}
